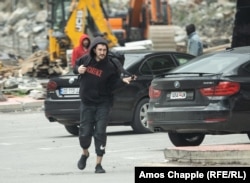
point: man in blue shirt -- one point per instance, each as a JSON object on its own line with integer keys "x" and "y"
{"x": 194, "y": 46}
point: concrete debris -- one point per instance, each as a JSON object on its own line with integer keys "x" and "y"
{"x": 11, "y": 83}
{"x": 213, "y": 19}
{"x": 17, "y": 15}
{"x": 22, "y": 85}
{"x": 38, "y": 65}
{"x": 37, "y": 94}
{"x": 41, "y": 16}
{"x": 38, "y": 28}
{"x": 27, "y": 85}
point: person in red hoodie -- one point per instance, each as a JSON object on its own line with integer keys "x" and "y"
{"x": 81, "y": 49}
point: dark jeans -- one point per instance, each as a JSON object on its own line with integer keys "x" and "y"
{"x": 93, "y": 123}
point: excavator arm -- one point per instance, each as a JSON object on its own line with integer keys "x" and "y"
{"x": 70, "y": 19}
{"x": 96, "y": 12}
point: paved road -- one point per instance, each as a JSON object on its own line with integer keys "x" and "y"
{"x": 32, "y": 150}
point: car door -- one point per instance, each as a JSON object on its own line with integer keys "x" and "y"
{"x": 127, "y": 98}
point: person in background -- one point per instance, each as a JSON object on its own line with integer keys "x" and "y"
{"x": 99, "y": 78}
{"x": 194, "y": 45}
{"x": 81, "y": 49}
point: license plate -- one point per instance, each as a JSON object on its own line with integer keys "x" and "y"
{"x": 69, "y": 91}
{"x": 178, "y": 95}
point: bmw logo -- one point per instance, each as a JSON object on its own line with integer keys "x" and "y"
{"x": 177, "y": 84}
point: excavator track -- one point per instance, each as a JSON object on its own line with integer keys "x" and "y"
{"x": 162, "y": 37}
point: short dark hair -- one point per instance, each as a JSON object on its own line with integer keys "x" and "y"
{"x": 190, "y": 28}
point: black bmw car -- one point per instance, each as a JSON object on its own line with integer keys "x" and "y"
{"x": 130, "y": 102}
{"x": 208, "y": 95}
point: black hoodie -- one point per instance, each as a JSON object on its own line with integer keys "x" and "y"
{"x": 100, "y": 79}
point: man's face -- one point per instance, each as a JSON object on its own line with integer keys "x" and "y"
{"x": 101, "y": 51}
{"x": 85, "y": 43}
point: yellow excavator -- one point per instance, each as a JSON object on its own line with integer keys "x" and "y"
{"x": 68, "y": 20}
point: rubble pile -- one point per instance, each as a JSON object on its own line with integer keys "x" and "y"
{"x": 23, "y": 24}
{"x": 214, "y": 19}
{"x": 38, "y": 65}
{"x": 26, "y": 24}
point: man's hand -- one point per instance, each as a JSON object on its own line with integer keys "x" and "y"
{"x": 82, "y": 69}
{"x": 129, "y": 79}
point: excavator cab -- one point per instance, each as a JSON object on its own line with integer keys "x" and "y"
{"x": 59, "y": 41}
{"x": 58, "y": 14}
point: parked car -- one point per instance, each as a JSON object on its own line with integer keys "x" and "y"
{"x": 208, "y": 95}
{"x": 130, "y": 102}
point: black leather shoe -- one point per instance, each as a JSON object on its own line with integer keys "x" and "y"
{"x": 82, "y": 162}
{"x": 99, "y": 169}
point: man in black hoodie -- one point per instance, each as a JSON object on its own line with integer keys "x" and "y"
{"x": 99, "y": 78}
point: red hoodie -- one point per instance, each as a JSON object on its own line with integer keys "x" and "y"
{"x": 79, "y": 51}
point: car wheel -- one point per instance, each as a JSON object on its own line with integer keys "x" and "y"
{"x": 72, "y": 129}
{"x": 186, "y": 139}
{"x": 139, "y": 123}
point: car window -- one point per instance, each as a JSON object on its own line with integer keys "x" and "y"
{"x": 131, "y": 58}
{"x": 157, "y": 65}
{"x": 182, "y": 59}
{"x": 218, "y": 63}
